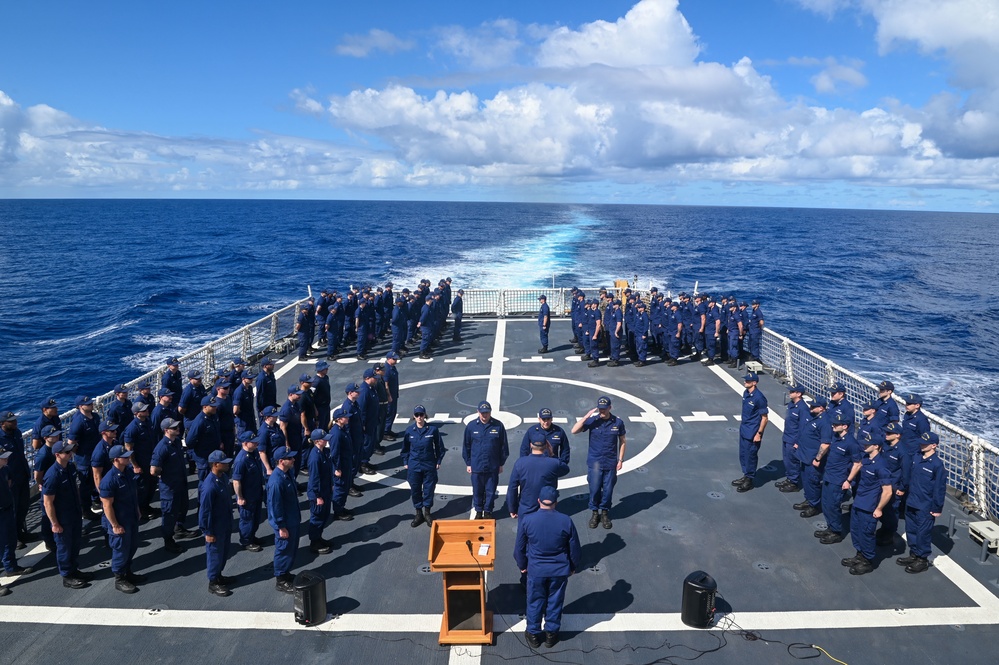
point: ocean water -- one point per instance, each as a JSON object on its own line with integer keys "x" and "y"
{"x": 94, "y": 292}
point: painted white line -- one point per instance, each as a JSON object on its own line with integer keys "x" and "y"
{"x": 701, "y": 417}
{"x": 422, "y": 360}
{"x": 443, "y": 418}
{"x": 740, "y": 388}
{"x": 532, "y": 416}
{"x": 495, "y": 387}
{"x": 287, "y": 367}
{"x": 26, "y": 560}
{"x": 537, "y": 359}
{"x": 459, "y": 359}
{"x": 465, "y": 655}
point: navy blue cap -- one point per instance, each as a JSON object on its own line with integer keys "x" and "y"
{"x": 165, "y": 392}
{"x": 548, "y": 495}
{"x": 287, "y": 454}
{"x": 49, "y": 430}
{"x": 321, "y": 365}
{"x": 245, "y": 436}
{"x": 340, "y": 413}
{"x": 247, "y": 374}
{"x": 865, "y": 439}
{"x": 640, "y": 305}
{"x": 928, "y": 438}
{"x": 108, "y": 426}
{"x": 461, "y": 291}
{"x": 886, "y": 385}
{"x": 869, "y": 406}
{"x": 369, "y": 373}
{"x": 62, "y": 447}
{"x": 819, "y": 400}
{"x": 795, "y": 388}
{"x": 756, "y": 302}
{"x": 218, "y": 457}
{"x": 352, "y": 388}
{"x": 542, "y": 297}
{"x": 317, "y": 434}
{"x": 238, "y": 361}
{"x": 305, "y": 378}
{"x": 391, "y": 355}
{"x": 545, "y": 413}
{"x": 266, "y": 361}
{"x": 83, "y": 399}
{"x": 893, "y": 427}
{"x": 119, "y": 451}
{"x": 120, "y": 388}
{"x": 837, "y": 388}
{"x": 49, "y": 403}
{"x": 173, "y": 360}
{"x": 294, "y": 390}
{"x": 144, "y": 385}
{"x": 841, "y": 419}
{"x": 603, "y": 402}
{"x": 210, "y": 400}
{"x": 223, "y": 384}
{"x": 913, "y": 398}
{"x": 485, "y": 407}
{"x": 419, "y": 408}
{"x": 750, "y": 376}
{"x": 194, "y": 374}
{"x": 269, "y": 411}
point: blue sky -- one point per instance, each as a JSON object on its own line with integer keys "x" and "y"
{"x": 833, "y": 103}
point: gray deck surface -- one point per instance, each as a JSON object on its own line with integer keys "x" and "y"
{"x": 674, "y": 514}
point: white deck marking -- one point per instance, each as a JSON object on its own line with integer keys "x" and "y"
{"x": 443, "y": 418}
{"x": 495, "y": 387}
{"x": 537, "y": 359}
{"x": 959, "y": 577}
{"x": 701, "y": 417}
{"x": 459, "y": 359}
{"x": 533, "y": 416}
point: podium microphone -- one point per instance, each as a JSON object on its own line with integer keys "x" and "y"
{"x": 470, "y": 550}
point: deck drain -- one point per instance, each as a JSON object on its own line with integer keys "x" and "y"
{"x": 373, "y": 529}
{"x": 443, "y": 497}
{"x": 596, "y": 569}
{"x": 104, "y": 564}
{"x": 561, "y": 412}
{"x": 762, "y": 565}
{"x": 666, "y": 528}
{"x": 642, "y": 469}
{"x": 731, "y": 429}
{"x": 716, "y": 495}
{"x": 153, "y": 611}
{"x": 289, "y": 633}
{"x": 686, "y": 446}
{"x": 455, "y": 449}
{"x": 820, "y": 526}
{"x": 958, "y": 627}
{"x": 424, "y": 569}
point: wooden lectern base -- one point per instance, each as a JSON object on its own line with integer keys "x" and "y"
{"x": 470, "y": 636}
{"x": 464, "y": 550}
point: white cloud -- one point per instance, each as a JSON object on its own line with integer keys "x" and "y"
{"x": 653, "y": 32}
{"x": 361, "y": 46}
{"x": 491, "y": 45}
{"x": 835, "y": 76}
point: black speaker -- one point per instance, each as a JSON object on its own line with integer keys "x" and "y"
{"x": 698, "y": 607}
{"x": 310, "y": 598}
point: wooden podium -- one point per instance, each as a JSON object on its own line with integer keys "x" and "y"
{"x": 463, "y": 550}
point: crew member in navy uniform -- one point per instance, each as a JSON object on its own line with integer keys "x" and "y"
{"x": 101, "y": 461}
{"x": 604, "y": 458}
{"x": 425, "y": 326}
{"x": 121, "y": 519}
{"x": 165, "y": 409}
{"x": 484, "y": 450}
{"x": 269, "y": 438}
{"x": 391, "y": 379}
{"x": 367, "y": 402}
{"x": 544, "y": 322}
{"x": 924, "y": 482}
{"x": 615, "y": 328}
{"x": 422, "y": 454}
{"x": 362, "y": 327}
{"x": 244, "y": 408}
{"x": 290, "y": 421}
{"x": 322, "y": 395}
{"x": 8, "y": 526}
{"x": 302, "y": 328}
{"x": 189, "y": 405}
{"x": 50, "y": 416}
{"x": 755, "y": 331}
{"x": 169, "y": 465}
{"x": 173, "y": 380}
{"x": 548, "y": 551}
{"x": 356, "y": 430}
{"x": 320, "y": 491}
{"x": 914, "y": 425}
{"x": 226, "y": 417}
{"x": 755, "y": 416}
{"x": 733, "y": 323}
{"x": 839, "y": 404}
{"x": 815, "y": 432}
{"x": 141, "y": 439}
{"x": 399, "y": 318}
{"x": 19, "y": 474}
{"x": 797, "y": 412}
{"x": 44, "y": 459}
{"x": 892, "y": 458}
{"x": 284, "y": 517}
{"x": 343, "y": 464}
{"x": 266, "y": 386}
{"x": 874, "y": 492}
{"x": 887, "y": 409}
{"x": 120, "y": 410}
{"x": 248, "y": 485}
{"x": 215, "y": 520}
{"x": 204, "y": 437}
{"x": 843, "y": 462}
{"x": 868, "y": 423}
{"x": 556, "y": 441}
{"x": 61, "y": 501}
{"x": 458, "y": 311}
{"x": 531, "y": 473}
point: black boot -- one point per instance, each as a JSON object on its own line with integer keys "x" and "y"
{"x": 594, "y": 520}
{"x": 426, "y": 516}
{"x": 418, "y": 520}
{"x": 862, "y": 567}
{"x": 605, "y": 520}
{"x": 122, "y": 584}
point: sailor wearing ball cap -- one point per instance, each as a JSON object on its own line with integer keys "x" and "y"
{"x": 604, "y": 459}
{"x": 266, "y": 386}
{"x": 484, "y": 450}
{"x": 797, "y": 412}
{"x": 914, "y": 425}
{"x": 61, "y": 501}
{"x": 284, "y": 517}
{"x": 755, "y": 416}
{"x": 204, "y": 435}
{"x": 173, "y": 380}
{"x": 422, "y": 454}
{"x": 886, "y": 406}
{"x": 248, "y": 484}
{"x": 548, "y": 551}
{"x": 892, "y": 459}
{"x": 121, "y": 518}
{"x": 169, "y": 465}
{"x": 320, "y": 491}
{"x": 554, "y": 439}
{"x": 924, "y": 482}
{"x": 874, "y": 492}
{"x": 215, "y": 520}
{"x": 842, "y": 466}
{"x": 814, "y": 438}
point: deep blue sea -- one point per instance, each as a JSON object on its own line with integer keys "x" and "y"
{"x": 94, "y": 292}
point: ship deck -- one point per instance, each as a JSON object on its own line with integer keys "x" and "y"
{"x": 674, "y": 512}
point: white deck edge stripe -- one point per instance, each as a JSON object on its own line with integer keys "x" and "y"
{"x": 495, "y": 387}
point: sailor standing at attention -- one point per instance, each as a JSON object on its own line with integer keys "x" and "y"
{"x": 61, "y": 500}
{"x": 843, "y": 462}
{"x": 422, "y": 454}
{"x": 8, "y": 527}
{"x": 754, "y": 422}
{"x": 544, "y": 322}
{"x": 320, "y": 491}
{"x": 284, "y": 517}
{"x": 797, "y": 413}
{"x": 874, "y": 492}
{"x": 484, "y": 450}
{"x": 248, "y": 484}
{"x": 924, "y": 483}
{"x": 548, "y": 551}
{"x": 121, "y": 518}
{"x": 215, "y": 520}
{"x": 604, "y": 459}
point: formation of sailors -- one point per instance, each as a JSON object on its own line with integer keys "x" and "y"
{"x": 887, "y": 463}
{"x": 699, "y": 325}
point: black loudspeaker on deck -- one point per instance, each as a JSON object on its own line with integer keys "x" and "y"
{"x": 698, "y": 606}
{"x": 310, "y": 598}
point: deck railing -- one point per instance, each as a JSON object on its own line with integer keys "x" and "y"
{"x": 972, "y": 463}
